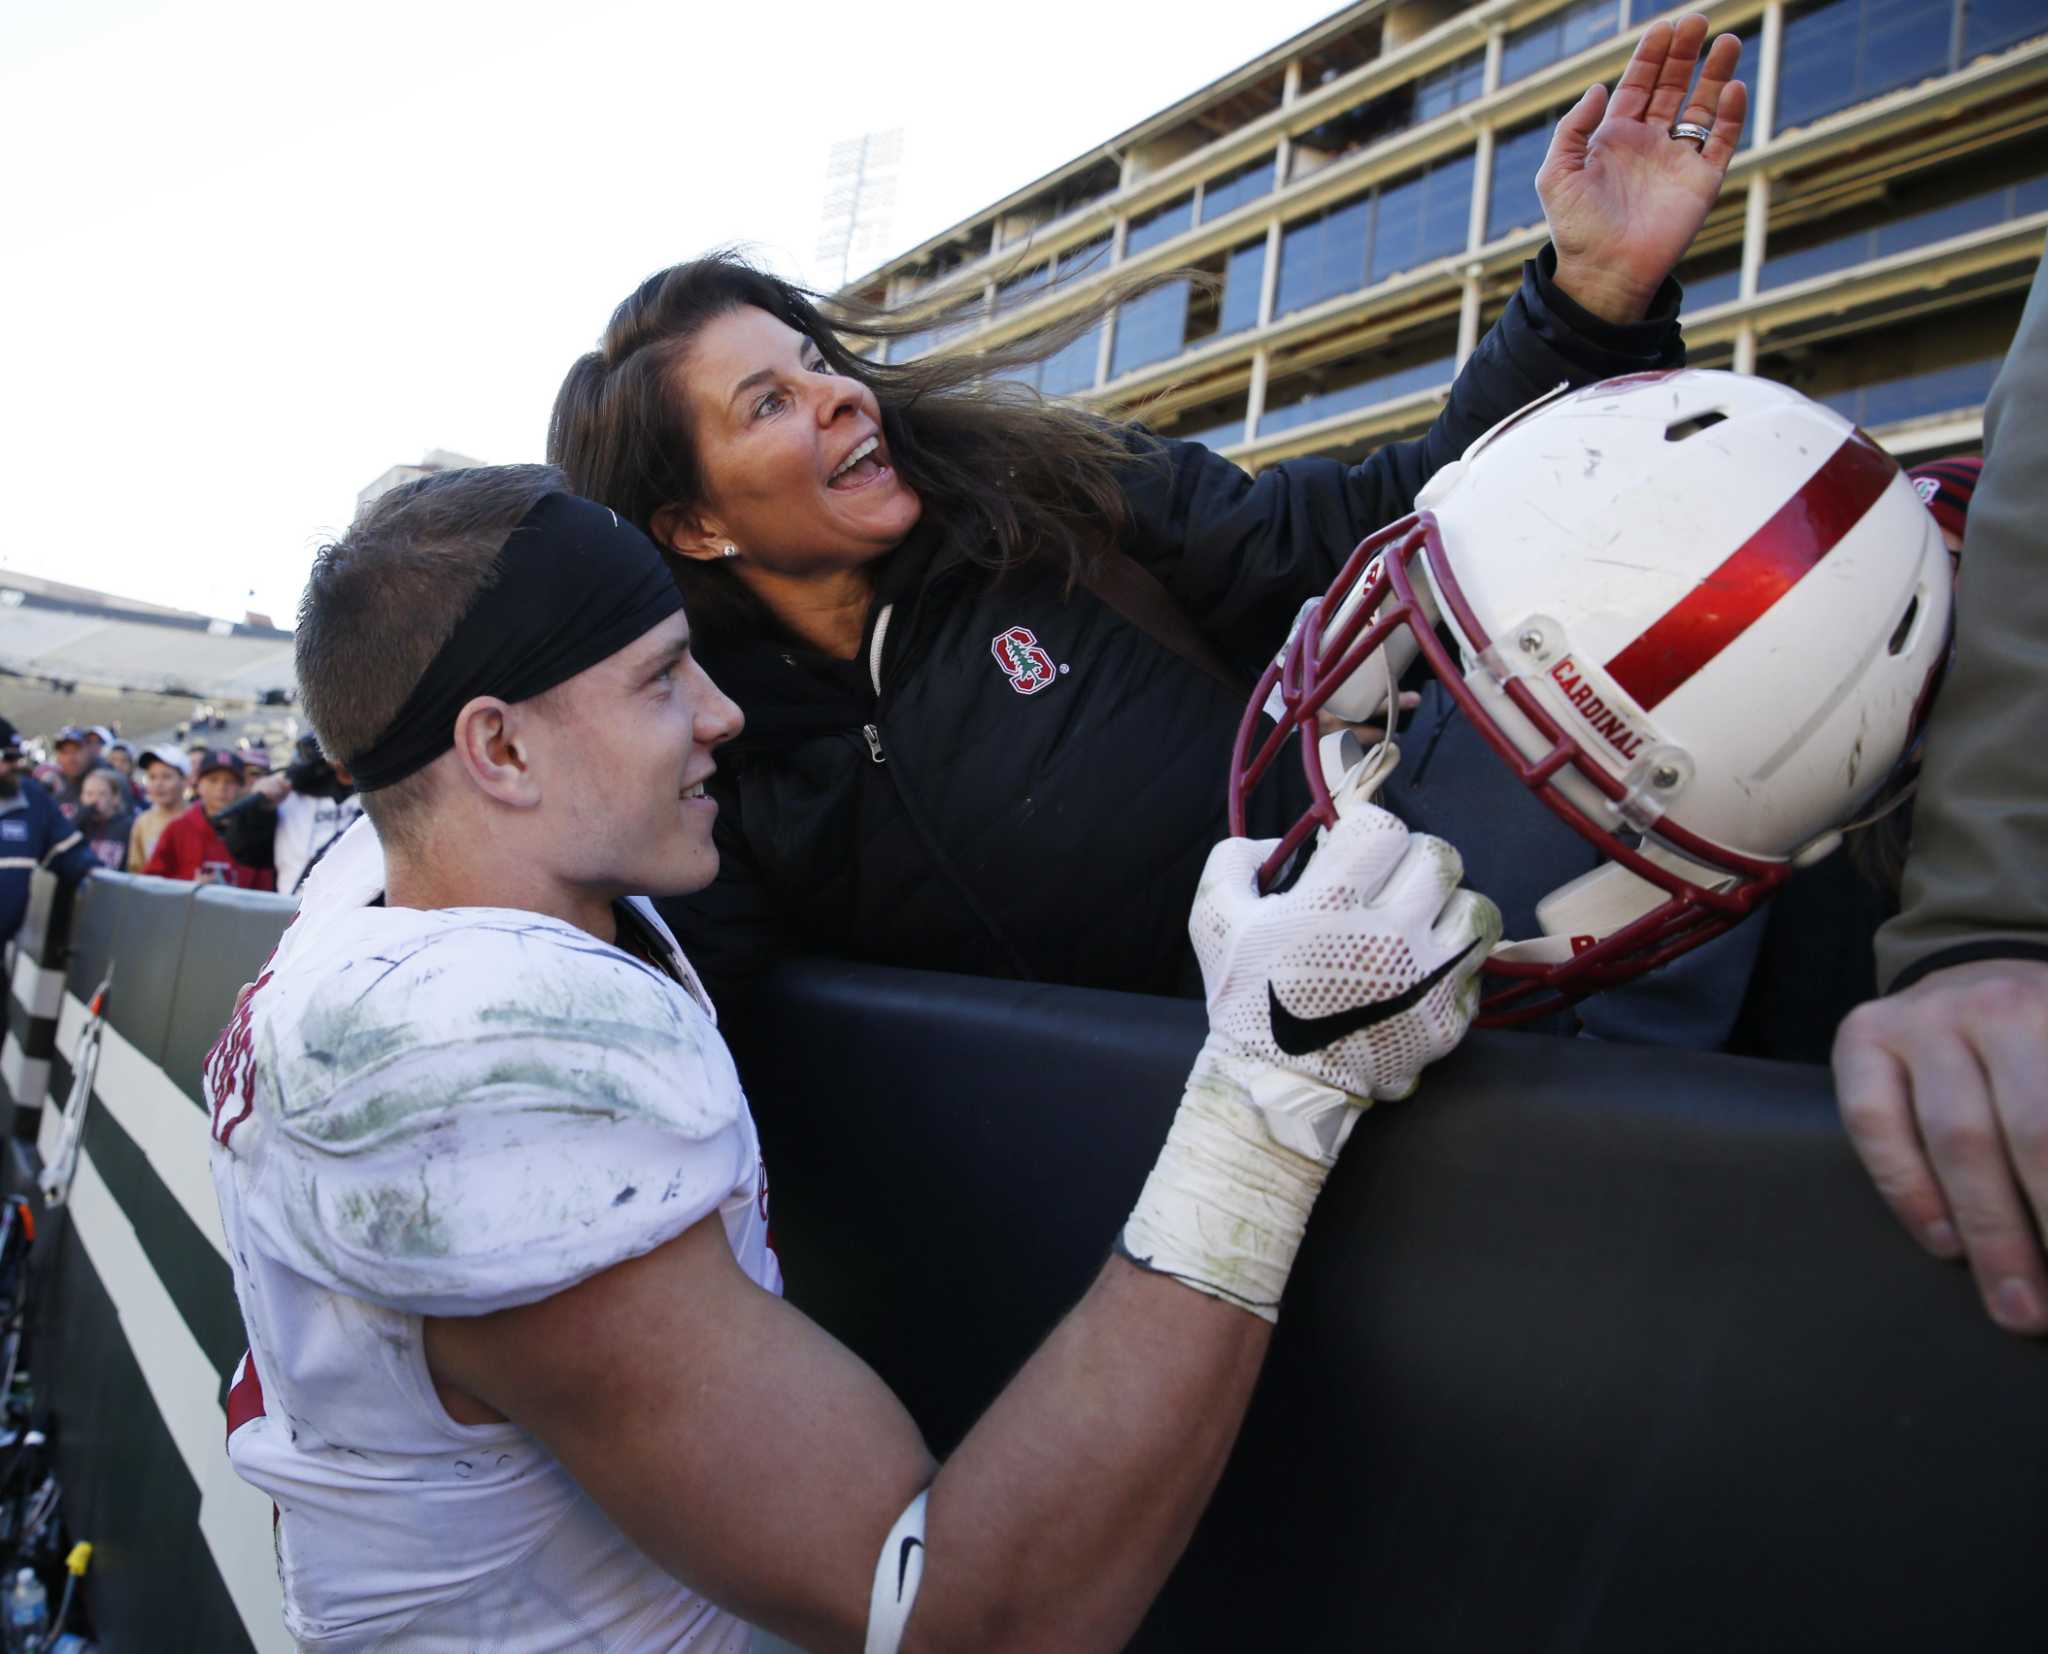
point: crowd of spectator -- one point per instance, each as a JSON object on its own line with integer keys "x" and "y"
{"x": 208, "y": 814}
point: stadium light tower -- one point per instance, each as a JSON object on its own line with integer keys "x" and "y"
{"x": 860, "y": 192}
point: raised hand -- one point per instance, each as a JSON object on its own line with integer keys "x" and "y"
{"x": 1622, "y": 195}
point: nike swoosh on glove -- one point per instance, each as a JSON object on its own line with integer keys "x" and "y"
{"x": 1358, "y": 977}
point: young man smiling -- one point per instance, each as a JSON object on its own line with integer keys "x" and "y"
{"x": 520, "y": 1376}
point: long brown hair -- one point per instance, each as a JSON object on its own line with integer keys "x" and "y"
{"x": 1008, "y": 476}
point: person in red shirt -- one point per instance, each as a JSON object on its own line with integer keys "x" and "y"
{"x": 191, "y": 848}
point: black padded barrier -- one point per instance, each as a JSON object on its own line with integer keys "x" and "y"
{"x": 95, "y": 916}
{"x": 1590, "y": 1347}
{"x": 229, "y": 938}
{"x": 149, "y": 917}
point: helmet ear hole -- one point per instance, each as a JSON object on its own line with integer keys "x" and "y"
{"x": 1678, "y": 430}
{"x": 1903, "y": 632}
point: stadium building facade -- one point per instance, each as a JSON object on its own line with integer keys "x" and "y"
{"x": 1361, "y": 199}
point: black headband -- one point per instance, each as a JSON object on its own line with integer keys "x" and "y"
{"x": 573, "y": 586}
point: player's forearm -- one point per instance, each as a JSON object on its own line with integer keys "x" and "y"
{"x": 1061, "y": 1514}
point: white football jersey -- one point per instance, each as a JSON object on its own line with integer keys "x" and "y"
{"x": 450, "y": 1112}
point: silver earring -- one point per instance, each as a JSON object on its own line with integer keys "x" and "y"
{"x": 731, "y": 551}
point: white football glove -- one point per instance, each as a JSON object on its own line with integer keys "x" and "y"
{"x": 1362, "y": 974}
{"x": 1321, "y": 998}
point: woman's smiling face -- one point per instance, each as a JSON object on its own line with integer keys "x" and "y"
{"x": 796, "y": 468}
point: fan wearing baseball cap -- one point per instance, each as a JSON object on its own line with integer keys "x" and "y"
{"x": 74, "y": 762}
{"x": 33, "y": 834}
{"x": 191, "y": 846}
{"x": 161, "y": 771}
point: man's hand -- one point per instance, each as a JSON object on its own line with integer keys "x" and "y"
{"x": 1623, "y": 197}
{"x": 1359, "y": 976}
{"x": 1944, "y": 1090}
{"x": 273, "y": 787}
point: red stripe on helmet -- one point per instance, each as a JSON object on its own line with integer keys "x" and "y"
{"x": 1760, "y": 571}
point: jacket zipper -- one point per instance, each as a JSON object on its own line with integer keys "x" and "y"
{"x": 873, "y": 734}
{"x": 875, "y": 664}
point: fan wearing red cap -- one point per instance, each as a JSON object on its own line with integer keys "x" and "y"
{"x": 191, "y": 847}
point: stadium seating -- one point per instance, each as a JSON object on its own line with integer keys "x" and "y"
{"x": 112, "y": 647}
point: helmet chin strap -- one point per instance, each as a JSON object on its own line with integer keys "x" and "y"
{"x": 1354, "y": 771}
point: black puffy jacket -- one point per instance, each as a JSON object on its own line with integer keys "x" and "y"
{"x": 1013, "y": 780}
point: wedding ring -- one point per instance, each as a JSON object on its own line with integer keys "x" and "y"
{"x": 1693, "y": 130}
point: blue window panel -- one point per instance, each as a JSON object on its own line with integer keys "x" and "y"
{"x": 1442, "y": 90}
{"x": 1366, "y": 394}
{"x": 1918, "y": 395}
{"x": 1702, "y": 292}
{"x": 1149, "y": 329}
{"x": 1538, "y": 45}
{"x": 1851, "y": 50}
{"x": 1447, "y": 209}
{"x": 1324, "y": 256}
{"x": 1023, "y": 282}
{"x": 1242, "y": 276}
{"x": 1079, "y": 261}
{"x": 1397, "y": 228}
{"x": 1921, "y": 229}
{"x": 1072, "y": 367}
{"x": 912, "y": 344}
{"x": 1512, "y": 203}
{"x": 1817, "y": 260}
{"x": 1162, "y": 225}
{"x": 1992, "y": 25}
{"x": 1942, "y": 223}
{"x": 1249, "y": 182}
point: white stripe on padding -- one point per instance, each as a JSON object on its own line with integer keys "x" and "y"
{"x": 27, "y": 1078}
{"x": 234, "y": 1517}
{"x": 39, "y": 988}
{"x": 166, "y": 1126}
{"x": 21, "y": 861}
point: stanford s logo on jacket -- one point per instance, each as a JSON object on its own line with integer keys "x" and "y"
{"x": 1023, "y": 660}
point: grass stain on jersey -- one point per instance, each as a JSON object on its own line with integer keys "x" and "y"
{"x": 395, "y": 1222}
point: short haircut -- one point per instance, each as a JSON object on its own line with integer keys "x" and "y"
{"x": 384, "y": 598}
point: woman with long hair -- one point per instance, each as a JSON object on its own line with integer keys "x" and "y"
{"x": 988, "y": 645}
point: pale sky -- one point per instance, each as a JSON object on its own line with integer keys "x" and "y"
{"x": 255, "y": 254}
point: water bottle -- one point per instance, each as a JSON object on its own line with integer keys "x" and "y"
{"x": 28, "y": 1614}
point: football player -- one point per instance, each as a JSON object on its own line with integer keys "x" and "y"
{"x": 519, "y": 1374}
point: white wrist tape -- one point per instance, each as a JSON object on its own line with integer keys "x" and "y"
{"x": 1227, "y": 1202}
{"x": 899, "y": 1570}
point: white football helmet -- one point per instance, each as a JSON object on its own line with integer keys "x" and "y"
{"x": 1699, "y": 615}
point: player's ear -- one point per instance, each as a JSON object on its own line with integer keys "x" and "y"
{"x": 492, "y": 751}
